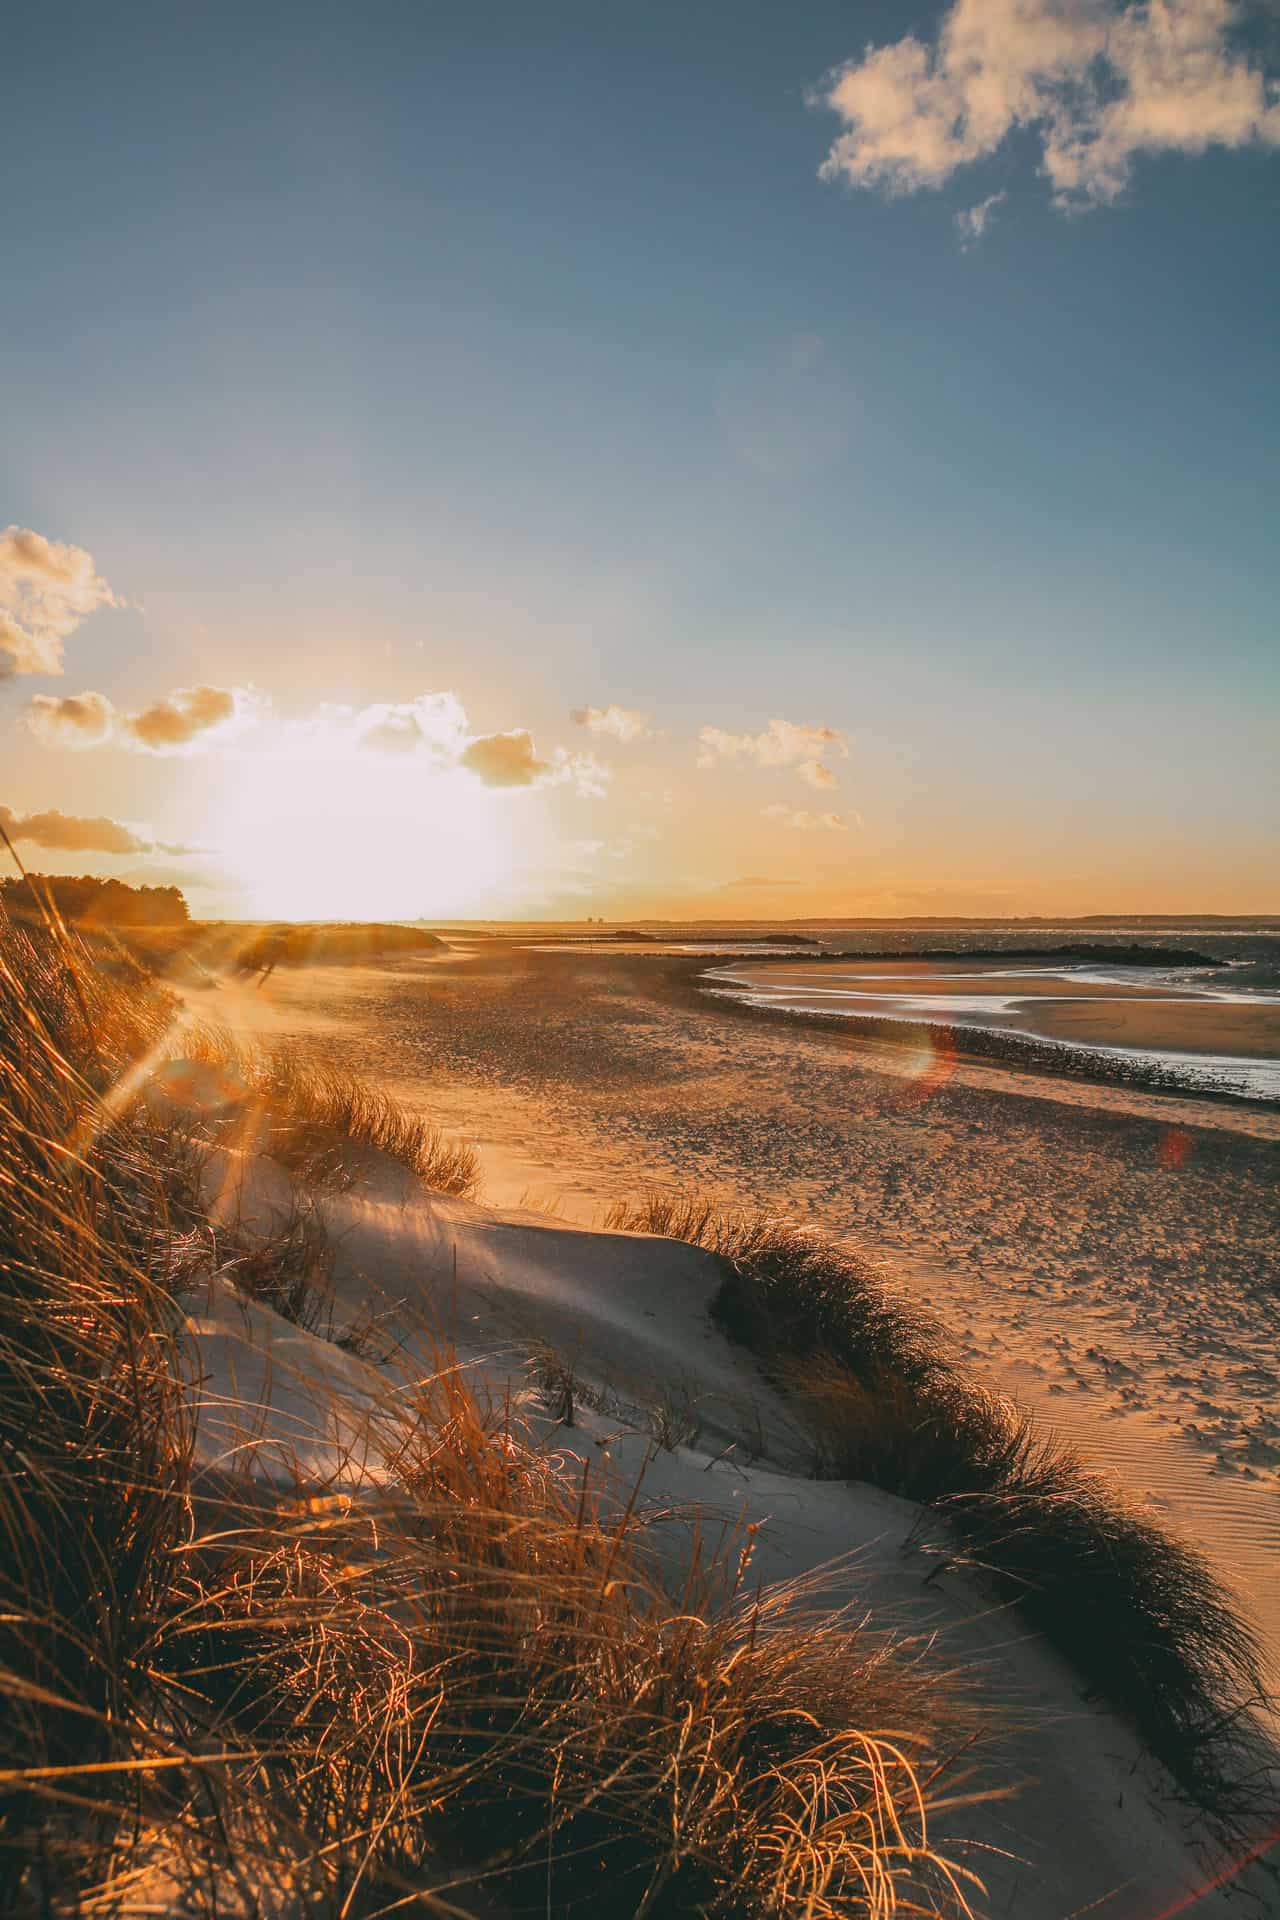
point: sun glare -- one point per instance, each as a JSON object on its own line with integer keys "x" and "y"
{"x": 360, "y": 836}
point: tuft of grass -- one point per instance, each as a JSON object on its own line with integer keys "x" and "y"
{"x": 1137, "y": 1611}
{"x": 289, "y": 1269}
{"x": 458, "y": 1684}
{"x": 305, "y": 1113}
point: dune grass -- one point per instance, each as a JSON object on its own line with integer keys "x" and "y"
{"x": 463, "y": 1689}
{"x": 1137, "y": 1611}
{"x": 307, "y": 1114}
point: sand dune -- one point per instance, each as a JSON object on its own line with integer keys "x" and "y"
{"x": 1110, "y": 1255}
{"x": 1092, "y": 1825}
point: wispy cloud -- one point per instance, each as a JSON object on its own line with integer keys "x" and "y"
{"x": 435, "y": 723}
{"x": 972, "y": 222}
{"x": 803, "y": 821}
{"x": 1097, "y": 83}
{"x": 619, "y": 723}
{"x": 177, "y": 723}
{"x": 784, "y": 743}
{"x": 759, "y": 880}
{"x": 46, "y": 590}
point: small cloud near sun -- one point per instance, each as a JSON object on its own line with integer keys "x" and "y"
{"x": 434, "y": 721}
{"x": 433, "y": 728}
{"x": 176, "y": 723}
{"x": 505, "y": 759}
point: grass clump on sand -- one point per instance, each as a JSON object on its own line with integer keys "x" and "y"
{"x": 305, "y": 1114}
{"x": 1137, "y": 1611}
{"x": 460, "y": 1685}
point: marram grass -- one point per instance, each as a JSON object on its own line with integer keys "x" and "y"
{"x": 469, "y": 1694}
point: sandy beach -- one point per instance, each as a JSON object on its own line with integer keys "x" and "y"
{"x": 1111, "y": 1257}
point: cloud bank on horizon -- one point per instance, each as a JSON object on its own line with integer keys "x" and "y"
{"x": 1095, "y": 83}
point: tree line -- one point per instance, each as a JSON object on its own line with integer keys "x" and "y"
{"x": 89, "y": 900}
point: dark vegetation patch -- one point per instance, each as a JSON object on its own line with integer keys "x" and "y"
{"x": 88, "y": 900}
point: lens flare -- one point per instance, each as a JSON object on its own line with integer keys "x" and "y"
{"x": 930, "y": 1067}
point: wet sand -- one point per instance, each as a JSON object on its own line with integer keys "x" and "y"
{"x": 1111, "y": 1256}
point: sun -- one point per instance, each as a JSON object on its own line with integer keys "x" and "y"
{"x": 351, "y": 835}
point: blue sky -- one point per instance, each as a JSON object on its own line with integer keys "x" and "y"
{"x": 524, "y": 354}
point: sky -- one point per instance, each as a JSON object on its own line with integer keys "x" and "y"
{"x": 739, "y": 461}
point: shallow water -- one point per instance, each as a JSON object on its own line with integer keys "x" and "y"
{"x": 869, "y": 993}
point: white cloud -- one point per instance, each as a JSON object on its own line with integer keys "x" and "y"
{"x": 814, "y": 774}
{"x": 621, "y": 723}
{"x": 1097, "y": 82}
{"x": 46, "y": 590}
{"x": 434, "y": 722}
{"x": 784, "y": 743}
{"x": 972, "y": 222}
{"x": 803, "y": 821}
{"x": 588, "y": 776}
{"x": 176, "y": 723}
